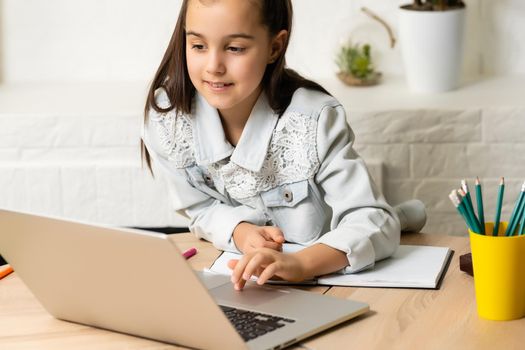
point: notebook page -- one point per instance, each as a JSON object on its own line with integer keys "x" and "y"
{"x": 220, "y": 265}
{"x": 410, "y": 266}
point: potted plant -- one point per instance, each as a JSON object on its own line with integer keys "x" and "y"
{"x": 355, "y": 62}
{"x": 431, "y": 37}
{"x": 355, "y": 65}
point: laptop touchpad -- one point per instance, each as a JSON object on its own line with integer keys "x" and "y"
{"x": 211, "y": 280}
{"x": 251, "y": 295}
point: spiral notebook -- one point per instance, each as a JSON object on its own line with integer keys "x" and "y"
{"x": 411, "y": 266}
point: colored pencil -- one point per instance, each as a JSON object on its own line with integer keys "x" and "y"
{"x": 464, "y": 187}
{"x": 513, "y": 217}
{"x": 5, "y": 270}
{"x": 498, "y": 206}
{"x": 470, "y": 211}
{"x": 454, "y": 198}
{"x": 479, "y": 200}
{"x": 522, "y": 221}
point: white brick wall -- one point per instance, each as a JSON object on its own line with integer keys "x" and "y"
{"x": 427, "y": 152}
{"x": 87, "y": 166}
{"x": 113, "y": 194}
{"x": 83, "y": 165}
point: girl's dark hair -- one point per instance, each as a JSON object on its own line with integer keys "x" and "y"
{"x": 279, "y": 82}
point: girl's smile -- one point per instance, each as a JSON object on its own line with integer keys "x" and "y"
{"x": 227, "y": 51}
{"x": 218, "y": 87}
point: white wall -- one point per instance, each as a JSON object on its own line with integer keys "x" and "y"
{"x": 119, "y": 40}
{"x": 91, "y": 40}
{"x": 70, "y": 148}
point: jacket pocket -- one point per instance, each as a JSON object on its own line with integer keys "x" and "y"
{"x": 295, "y": 211}
{"x": 202, "y": 180}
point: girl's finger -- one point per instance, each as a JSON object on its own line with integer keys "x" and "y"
{"x": 264, "y": 234}
{"x": 232, "y": 263}
{"x": 275, "y": 234}
{"x": 257, "y": 241}
{"x": 251, "y": 268}
{"x": 273, "y": 245}
{"x": 259, "y": 271}
{"x": 240, "y": 267}
{"x": 267, "y": 273}
{"x": 239, "y": 285}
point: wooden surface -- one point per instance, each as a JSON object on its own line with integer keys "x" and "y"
{"x": 399, "y": 318}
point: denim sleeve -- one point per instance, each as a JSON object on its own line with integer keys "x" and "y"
{"x": 363, "y": 225}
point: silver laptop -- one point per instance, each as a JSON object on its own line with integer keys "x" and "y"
{"x": 139, "y": 283}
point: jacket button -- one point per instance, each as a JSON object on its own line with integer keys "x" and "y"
{"x": 207, "y": 178}
{"x": 288, "y": 195}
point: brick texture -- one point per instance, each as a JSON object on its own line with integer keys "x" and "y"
{"x": 88, "y": 167}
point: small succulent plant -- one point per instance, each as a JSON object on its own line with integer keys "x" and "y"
{"x": 356, "y": 61}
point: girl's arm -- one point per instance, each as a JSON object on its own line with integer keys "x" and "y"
{"x": 248, "y": 237}
{"x": 320, "y": 259}
{"x": 316, "y": 260}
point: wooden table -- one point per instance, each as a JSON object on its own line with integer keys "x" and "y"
{"x": 399, "y": 318}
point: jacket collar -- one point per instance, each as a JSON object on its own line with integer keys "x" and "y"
{"x": 211, "y": 143}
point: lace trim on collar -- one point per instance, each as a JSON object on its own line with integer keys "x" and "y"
{"x": 292, "y": 156}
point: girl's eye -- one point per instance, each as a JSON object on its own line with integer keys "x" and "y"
{"x": 236, "y": 49}
{"x": 197, "y": 47}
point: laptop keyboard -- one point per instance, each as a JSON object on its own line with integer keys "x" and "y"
{"x": 251, "y": 325}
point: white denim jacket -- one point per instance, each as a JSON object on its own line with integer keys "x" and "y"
{"x": 298, "y": 172}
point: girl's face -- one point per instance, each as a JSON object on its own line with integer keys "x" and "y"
{"x": 227, "y": 50}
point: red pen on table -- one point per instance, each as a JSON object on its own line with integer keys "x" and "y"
{"x": 189, "y": 253}
{"x": 5, "y": 270}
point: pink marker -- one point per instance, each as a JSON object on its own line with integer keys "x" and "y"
{"x": 189, "y": 253}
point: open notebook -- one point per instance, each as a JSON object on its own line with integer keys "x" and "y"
{"x": 411, "y": 266}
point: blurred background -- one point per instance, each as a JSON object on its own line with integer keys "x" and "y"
{"x": 118, "y": 40}
{"x": 73, "y": 77}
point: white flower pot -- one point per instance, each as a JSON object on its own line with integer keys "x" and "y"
{"x": 432, "y": 48}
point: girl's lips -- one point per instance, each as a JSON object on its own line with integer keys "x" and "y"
{"x": 218, "y": 86}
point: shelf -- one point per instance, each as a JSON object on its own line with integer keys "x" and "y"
{"x": 393, "y": 93}
{"x": 128, "y": 98}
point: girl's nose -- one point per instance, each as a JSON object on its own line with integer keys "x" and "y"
{"x": 215, "y": 64}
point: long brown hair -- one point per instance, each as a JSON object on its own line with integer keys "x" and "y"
{"x": 279, "y": 82}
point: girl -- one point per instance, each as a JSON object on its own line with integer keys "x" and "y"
{"x": 255, "y": 154}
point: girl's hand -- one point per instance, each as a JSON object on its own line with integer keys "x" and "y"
{"x": 265, "y": 263}
{"x": 248, "y": 237}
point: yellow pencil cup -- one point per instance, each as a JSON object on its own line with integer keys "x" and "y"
{"x": 499, "y": 273}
